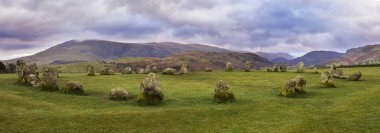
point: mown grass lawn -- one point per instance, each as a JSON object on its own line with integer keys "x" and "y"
{"x": 189, "y": 107}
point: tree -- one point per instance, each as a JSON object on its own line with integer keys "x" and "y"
{"x": 3, "y": 69}
{"x": 11, "y": 68}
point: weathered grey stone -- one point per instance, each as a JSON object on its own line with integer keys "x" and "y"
{"x": 91, "y": 70}
{"x": 118, "y": 94}
{"x": 127, "y": 70}
{"x": 155, "y": 69}
{"x": 208, "y": 69}
{"x": 327, "y": 79}
{"x": 73, "y": 87}
{"x": 106, "y": 70}
{"x": 247, "y": 66}
{"x": 22, "y": 71}
{"x": 294, "y": 86}
{"x": 184, "y": 69}
{"x": 269, "y": 69}
{"x": 150, "y": 90}
{"x": 223, "y": 92}
{"x": 275, "y": 68}
{"x": 300, "y": 67}
{"x": 229, "y": 67}
{"x": 316, "y": 70}
{"x": 168, "y": 71}
{"x": 147, "y": 69}
{"x": 49, "y": 80}
{"x": 337, "y": 73}
{"x": 355, "y": 77}
{"x": 141, "y": 71}
{"x": 32, "y": 80}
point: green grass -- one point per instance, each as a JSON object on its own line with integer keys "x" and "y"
{"x": 189, "y": 107}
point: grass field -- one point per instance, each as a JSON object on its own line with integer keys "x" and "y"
{"x": 189, "y": 107}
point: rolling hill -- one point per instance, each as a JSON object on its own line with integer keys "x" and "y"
{"x": 275, "y": 57}
{"x": 101, "y": 50}
{"x": 316, "y": 58}
{"x": 362, "y": 54}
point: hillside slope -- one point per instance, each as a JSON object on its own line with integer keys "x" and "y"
{"x": 362, "y": 54}
{"x": 316, "y": 58}
{"x": 99, "y": 50}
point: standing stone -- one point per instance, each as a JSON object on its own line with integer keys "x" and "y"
{"x": 337, "y": 73}
{"x": 223, "y": 93}
{"x": 73, "y": 87}
{"x": 141, "y": 71}
{"x": 229, "y": 67}
{"x": 155, "y": 69}
{"x": 316, "y": 70}
{"x": 327, "y": 79}
{"x": 294, "y": 86}
{"x": 33, "y": 69}
{"x": 22, "y": 71}
{"x": 247, "y": 66}
{"x": 183, "y": 69}
{"x": 11, "y": 68}
{"x": 355, "y": 77}
{"x": 105, "y": 71}
{"x": 91, "y": 70}
{"x": 283, "y": 67}
{"x": 49, "y": 80}
{"x": 3, "y": 69}
{"x": 147, "y": 69}
{"x": 300, "y": 67}
{"x": 208, "y": 69}
{"x": 168, "y": 71}
{"x": 127, "y": 70}
{"x": 150, "y": 90}
{"x": 275, "y": 68}
{"x": 269, "y": 69}
{"x": 32, "y": 80}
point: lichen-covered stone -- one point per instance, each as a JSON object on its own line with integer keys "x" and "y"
{"x": 168, "y": 71}
{"x": 127, "y": 70}
{"x": 32, "y": 80}
{"x": 283, "y": 67}
{"x": 327, "y": 79}
{"x": 300, "y": 67}
{"x": 337, "y": 73}
{"x": 269, "y": 69}
{"x": 208, "y": 69}
{"x": 147, "y": 69}
{"x": 223, "y": 92}
{"x": 275, "y": 68}
{"x": 118, "y": 94}
{"x": 49, "y": 79}
{"x": 355, "y": 76}
{"x": 22, "y": 71}
{"x": 184, "y": 69}
{"x": 247, "y": 66}
{"x": 106, "y": 71}
{"x": 155, "y": 69}
{"x": 315, "y": 70}
{"x": 73, "y": 87}
{"x": 141, "y": 71}
{"x": 150, "y": 90}
{"x": 294, "y": 86}
{"x": 90, "y": 71}
{"x": 229, "y": 67}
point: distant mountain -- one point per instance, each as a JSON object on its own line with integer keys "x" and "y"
{"x": 362, "y": 54}
{"x": 275, "y": 56}
{"x": 101, "y": 50}
{"x": 316, "y": 58}
{"x": 197, "y": 60}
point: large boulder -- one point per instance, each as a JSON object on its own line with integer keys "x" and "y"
{"x": 300, "y": 67}
{"x": 32, "y": 80}
{"x": 49, "y": 79}
{"x": 127, "y": 70}
{"x": 223, "y": 92}
{"x": 91, "y": 70}
{"x": 118, "y": 94}
{"x": 327, "y": 79}
{"x": 147, "y": 69}
{"x": 283, "y": 67}
{"x": 184, "y": 69}
{"x": 294, "y": 86}
{"x": 247, "y": 66}
{"x": 275, "y": 68}
{"x": 355, "y": 76}
{"x": 150, "y": 90}
{"x": 229, "y": 67}
{"x": 337, "y": 73}
{"x": 73, "y": 87}
{"x": 168, "y": 71}
{"x": 22, "y": 71}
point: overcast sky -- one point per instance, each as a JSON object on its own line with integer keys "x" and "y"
{"x": 292, "y": 26}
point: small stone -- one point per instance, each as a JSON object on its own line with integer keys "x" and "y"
{"x": 208, "y": 69}
{"x": 300, "y": 67}
{"x": 355, "y": 77}
{"x": 147, "y": 69}
{"x": 155, "y": 69}
{"x": 118, "y": 94}
{"x": 229, "y": 67}
{"x": 91, "y": 71}
{"x": 275, "y": 68}
{"x": 184, "y": 69}
{"x": 73, "y": 87}
{"x": 269, "y": 69}
{"x": 223, "y": 93}
{"x": 168, "y": 71}
{"x": 247, "y": 66}
{"x": 283, "y": 67}
{"x": 327, "y": 79}
{"x": 141, "y": 71}
{"x": 127, "y": 70}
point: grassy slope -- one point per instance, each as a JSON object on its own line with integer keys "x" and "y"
{"x": 351, "y": 107}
